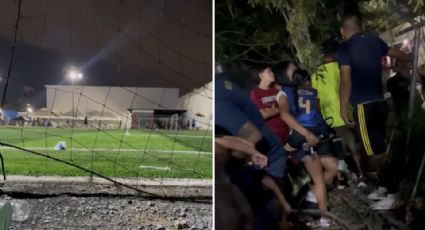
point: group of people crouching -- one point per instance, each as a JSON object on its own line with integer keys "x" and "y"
{"x": 282, "y": 118}
{"x": 293, "y": 120}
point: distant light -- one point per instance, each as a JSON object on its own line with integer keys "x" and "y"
{"x": 405, "y": 42}
{"x": 29, "y": 110}
{"x": 74, "y": 74}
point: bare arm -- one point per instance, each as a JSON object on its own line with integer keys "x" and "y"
{"x": 250, "y": 133}
{"x": 241, "y": 145}
{"x": 271, "y": 184}
{"x": 397, "y": 54}
{"x": 345, "y": 92}
{"x": 292, "y": 123}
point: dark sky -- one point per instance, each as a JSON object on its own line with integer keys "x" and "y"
{"x": 153, "y": 43}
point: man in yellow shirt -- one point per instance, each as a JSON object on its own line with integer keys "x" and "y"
{"x": 326, "y": 81}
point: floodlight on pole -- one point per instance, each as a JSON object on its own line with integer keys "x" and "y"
{"x": 74, "y": 74}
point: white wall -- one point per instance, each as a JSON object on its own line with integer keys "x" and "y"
{"x": 117, "y": 100}
{"x": 199, "y": 101}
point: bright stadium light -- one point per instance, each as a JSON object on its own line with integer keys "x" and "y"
{"x": 74, "y": 74}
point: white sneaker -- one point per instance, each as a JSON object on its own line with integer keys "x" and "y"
{"x": 340, "y": 187}
{"x": 310, "y": 197}
{"x": 324, "y": 222}
{"x": 386, "y": 203}
{"x": 342, "y": 166}
{"x": 378, "y": 194}
{"x": 361, "y": 184}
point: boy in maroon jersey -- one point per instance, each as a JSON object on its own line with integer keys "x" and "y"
{"x": 264, "y": 97}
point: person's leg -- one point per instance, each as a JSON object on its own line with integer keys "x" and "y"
{"x": 324, "y": 151}
{"x": 348, "y": 136}
{"x": 375, "y": 116}
{"x": 330, "y": 168}
{"x": 314, "y": 169}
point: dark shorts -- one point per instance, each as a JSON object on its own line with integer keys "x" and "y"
{"x": 371, "y": 119}
{"x": 296, "y": 140}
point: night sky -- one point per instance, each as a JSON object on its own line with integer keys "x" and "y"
{"x": 115, "y": 42}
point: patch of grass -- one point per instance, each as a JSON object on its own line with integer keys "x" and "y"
{"x": 115, "y": 154}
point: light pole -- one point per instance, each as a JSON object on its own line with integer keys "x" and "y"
{"x": 74, "y": 75}
{"x": 29, "y": 112}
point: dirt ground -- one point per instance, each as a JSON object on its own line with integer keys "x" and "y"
{"x": 82, "y": 205}
{"x": 106, "y": 206}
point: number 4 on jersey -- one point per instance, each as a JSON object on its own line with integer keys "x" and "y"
{"x": 306, "y": 105}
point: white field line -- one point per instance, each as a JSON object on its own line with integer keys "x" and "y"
{"x": 171, "y": 135}
{"x": 97, "y": 180}
{"x": 165, "y": 135}
{"x": 154, "y": 167}
{"x": 160, "y": 151}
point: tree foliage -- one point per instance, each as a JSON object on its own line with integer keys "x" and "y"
{"x": 274, "y": 30}
{"x": 247, "y": 34}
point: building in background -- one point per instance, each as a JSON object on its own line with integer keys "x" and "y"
{"x": 111, "y": 105}
{"x": 198, "y": 105}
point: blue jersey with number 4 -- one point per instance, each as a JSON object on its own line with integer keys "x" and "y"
{"x": 303, "y": 106}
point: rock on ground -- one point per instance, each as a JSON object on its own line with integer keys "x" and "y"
{"x": 114, "y": 213}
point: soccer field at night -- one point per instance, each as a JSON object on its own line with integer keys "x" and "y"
{"x": 113, "y": 153}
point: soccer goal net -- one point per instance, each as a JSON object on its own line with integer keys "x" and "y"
{"x": 93, "y": 89}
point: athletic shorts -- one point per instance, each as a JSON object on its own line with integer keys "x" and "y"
{"x": 296, "y": 140}
{"x": 371, "y": 119}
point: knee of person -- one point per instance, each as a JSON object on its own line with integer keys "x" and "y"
{"x": 332, "y": 163}
{"x": 333, "y": 166}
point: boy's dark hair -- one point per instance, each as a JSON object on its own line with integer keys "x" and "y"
{"x": 261, "y": 67}
{"x": 298, "y": 78}
{"x": 351, "y": 19}
{"x": 329, "y": 46}
{"x": 258, "y": 68}
{"x": 279, "y": 71}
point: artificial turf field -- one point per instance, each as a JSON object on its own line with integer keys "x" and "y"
{"x": 148, "y": 153}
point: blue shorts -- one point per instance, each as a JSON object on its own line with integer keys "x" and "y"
{"x": 276, "y": 154}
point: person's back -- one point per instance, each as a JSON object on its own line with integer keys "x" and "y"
{"x": 326, "y": 81}
{"x": 303, "y": 106}
{"x": 363, "y": 53}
